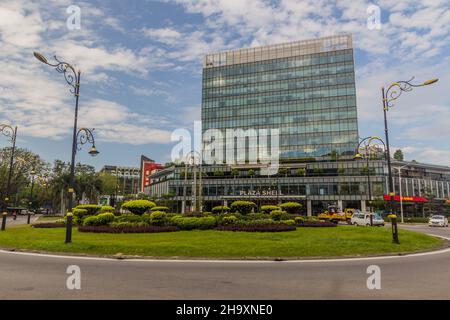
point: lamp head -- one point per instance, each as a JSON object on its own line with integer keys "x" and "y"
{"x": 40, "y": 57}
{"x": 357, "y": 156}
{"x": 431, "y": 81}
{"x": 93, "y": 152}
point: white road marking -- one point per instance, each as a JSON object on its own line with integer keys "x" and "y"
{"x": 442, "y": 251}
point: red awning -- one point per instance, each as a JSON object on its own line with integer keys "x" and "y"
{"x": 406, "y": 199}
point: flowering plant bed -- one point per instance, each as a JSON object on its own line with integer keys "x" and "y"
{"x": 317, "y": 224}
{"x": 272, "y": 227}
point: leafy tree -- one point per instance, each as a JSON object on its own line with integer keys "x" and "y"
{"x": 398, "y": 155}
{"x": 251, "y": 173}
{"x": 235, "y": 173}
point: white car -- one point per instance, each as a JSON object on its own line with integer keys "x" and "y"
{"x": 438, "y": 221}
{"x": 363, "y": 219}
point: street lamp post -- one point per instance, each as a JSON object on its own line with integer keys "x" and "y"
{"x": 83, "y": 135}
{"x": 392, "y": 93}
{"x": 400, "y": 190}
{"x": 11, "y": 133}
{"x": 367, "y": 144}
{"x": 30, "y": 202}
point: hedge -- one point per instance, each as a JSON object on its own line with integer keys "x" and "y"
{"x": 49, "y": 225}
{"x": 291, "y": 207}
{"x": 190, "y": 223}
{"x": 269, "y": 208}
{"x": 221, "y": 209}
{"x": 105, "y": 209}
{"x": 244, "y": 207}
{"x": 277, "y": 215}
{"x": 317, "y": 224}
{"x": 159, "y": 208}
{"x": 158, "y": 218}
{"x": 138, "y": 206}
{"x": 91, "y": 209}
{"x": 127, "y": 229}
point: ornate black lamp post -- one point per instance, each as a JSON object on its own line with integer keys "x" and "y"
{"x": 11, "y": 133}
{"x": 367, "y": 144}
{"x": 81, "y": 136}
{"x": 392, "y": 93}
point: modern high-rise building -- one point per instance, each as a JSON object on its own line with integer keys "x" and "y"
{"x": 306, "y": 89}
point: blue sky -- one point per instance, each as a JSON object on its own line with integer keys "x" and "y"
{"x": 141, "y": 68}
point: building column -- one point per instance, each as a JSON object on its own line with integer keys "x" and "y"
{"x": 309, "y": 208}
{"x": 339, "y": 203}
{"x": 225, "y": 203}
{"x": 363, "y": 205}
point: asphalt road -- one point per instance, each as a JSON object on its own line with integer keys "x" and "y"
{"x": 423, "y": 276}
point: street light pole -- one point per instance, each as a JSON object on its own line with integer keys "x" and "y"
{"x": 9, "y": 132}
{"x": 79, "y": 137}
{"x": 367, "y": 144}
{"x": 392, "y": 93}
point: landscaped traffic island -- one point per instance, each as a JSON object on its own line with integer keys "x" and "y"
{"x": 301, "y": 243}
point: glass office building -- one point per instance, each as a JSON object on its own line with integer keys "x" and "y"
{"x": 306, "y": 89}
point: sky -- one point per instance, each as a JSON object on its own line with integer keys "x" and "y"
{"x": 141, "y": 63}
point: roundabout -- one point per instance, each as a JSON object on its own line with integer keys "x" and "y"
{"x": 412, "y": 276}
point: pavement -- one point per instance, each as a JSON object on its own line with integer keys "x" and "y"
{"x": 21, "y": 219}
{"x": 420, "y": 276}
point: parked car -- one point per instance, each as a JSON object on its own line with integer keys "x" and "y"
{"x": 363, "y": 219}
{"x": 438, "y": 221}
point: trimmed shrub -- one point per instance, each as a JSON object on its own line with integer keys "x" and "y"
{"x": 105, "y": 218}
{"x": 158, "y": 218}
{"x": 229, "y": 220}
{"x": 91, "y": 221}
{"x": 191, "y": 223}
{"x": 291, "y": 207}
{"x": 127, "y": 229}
{"x": 220, "y": 209}
{"x": 130, "y": 218}
{"x": 159, "y": 208}
{"x": 289, "y": 222}
{"x": 274, "y": 227}
{"x": 269, "y": 208}
{"x": 105, "y": 209}
{"x": 79, "y": 213}
{"x": 138, "y": 207}
{"x": 91, "y": 209}
{"x": 277, "y": 215}
{"x": 256, "y": 216}
{"x": 127, "y": 224}
{"x": 244, "y": 207}
{"x": 299, "y": 220}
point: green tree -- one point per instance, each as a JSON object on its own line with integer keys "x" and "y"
{"x": 235, "y": 173}
{"x": 398, "y": 155}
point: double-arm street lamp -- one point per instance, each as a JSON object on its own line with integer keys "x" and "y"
{"x": 367, "y": 145}
{"x": 11, "y": 133}
{"x": 79, "y": 137}
{"x": 393, "y": 92}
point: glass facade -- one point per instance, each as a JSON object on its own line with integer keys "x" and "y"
{"x": 310, "y": 98}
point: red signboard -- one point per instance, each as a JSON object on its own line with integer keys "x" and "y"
{"x": 406, "y": 198}
{"x": 147, "y": 168}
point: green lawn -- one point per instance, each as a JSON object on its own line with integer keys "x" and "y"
{"x": 305, "y": 242}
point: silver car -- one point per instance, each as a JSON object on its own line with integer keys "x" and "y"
{"x": 438, "y": 221}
